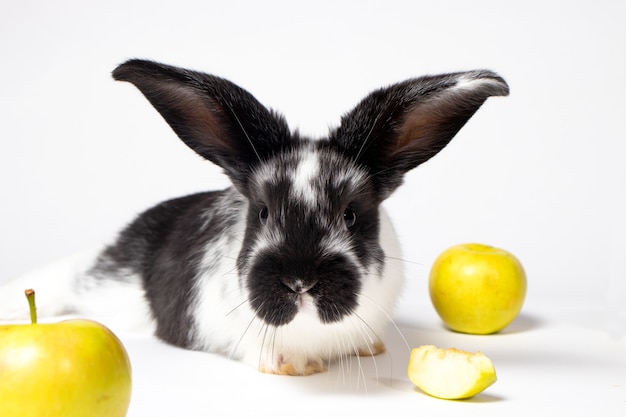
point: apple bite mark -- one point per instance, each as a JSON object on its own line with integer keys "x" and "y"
{"x": 450, "y": 374}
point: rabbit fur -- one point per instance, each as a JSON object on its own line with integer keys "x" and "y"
{"x": 296, "y": 263}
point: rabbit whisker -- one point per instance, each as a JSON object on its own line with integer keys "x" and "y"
{"x": 360, "y": 371}
{"x": 369, "y": 337}
{"x": 382, "y": 171}
{"x": 393, "y": 258}
{"x": 243, "y": 129}
{"x": 367, "y": 138}
{"x": 343, "y": 360}
{"x": 393, "y": 323}
{"x": 263, "y": 330}
{"x": 234, "y": 349}
{"x": 367, "y": 333}
{"x": 271, "y": 346}
{"x": 237, "y": 307}
{"x": 364, "y": 330}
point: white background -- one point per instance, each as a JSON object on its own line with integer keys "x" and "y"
{"x": 541, "y": 173}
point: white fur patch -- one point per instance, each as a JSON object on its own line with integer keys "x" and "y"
{"x": 65, "y": 288}
{"x": 307, "y": 171}
{"x": 466, "y": 83}
{"x": 120, "y": 305}
{"x": 221, "y": 312}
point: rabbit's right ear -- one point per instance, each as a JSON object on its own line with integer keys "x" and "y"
{"x": 217, "y": 119}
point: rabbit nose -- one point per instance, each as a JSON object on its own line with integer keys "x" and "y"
{"x": 298, "y": 286}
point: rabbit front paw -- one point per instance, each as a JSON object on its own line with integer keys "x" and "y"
{"x": 374, "y": 349}
{"x": 291, "y": 365}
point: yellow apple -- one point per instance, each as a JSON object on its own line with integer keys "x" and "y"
{"x": 73, "y": 368}
{"x": 450, "y": 374}
{"x": 476, "y": 288}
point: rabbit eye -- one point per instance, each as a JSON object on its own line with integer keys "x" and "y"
{"x": 349, "y": 217}
{"x": 263, "y": 215}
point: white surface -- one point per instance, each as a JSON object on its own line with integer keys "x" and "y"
{"x": 547, "y": 364}
{"x": 541, "y": 173}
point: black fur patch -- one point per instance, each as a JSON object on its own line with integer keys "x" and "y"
{"x": 165, "y": 246}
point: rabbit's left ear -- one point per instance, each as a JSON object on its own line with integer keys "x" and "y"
{"x": 395, "y": 129}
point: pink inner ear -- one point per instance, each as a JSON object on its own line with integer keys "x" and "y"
{"x": 422, "y": 127}
{"x": 198, "y": 115}
{"x": 432, "y": 122}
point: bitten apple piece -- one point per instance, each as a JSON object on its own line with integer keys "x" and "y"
{"x": 450, "y": 374}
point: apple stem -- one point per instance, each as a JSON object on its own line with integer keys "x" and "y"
{"x": 30, "y": 296}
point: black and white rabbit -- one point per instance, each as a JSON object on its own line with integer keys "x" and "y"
{"x": 293, "y": 265}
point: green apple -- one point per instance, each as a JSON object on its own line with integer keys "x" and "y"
{"x": 450, "y": 374}
{"x": 476, "y": 288}
{"x": 73, "y": 368}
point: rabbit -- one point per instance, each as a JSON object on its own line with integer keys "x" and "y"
{"x": 294, "y": 265}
